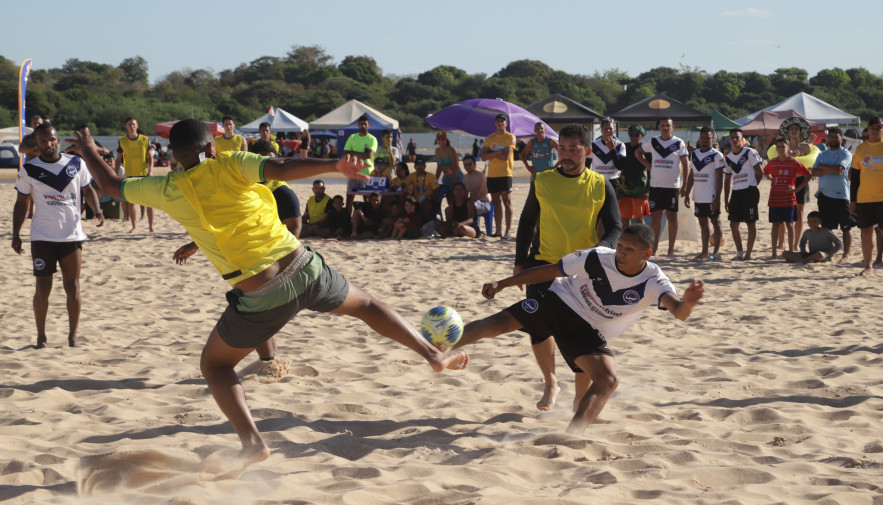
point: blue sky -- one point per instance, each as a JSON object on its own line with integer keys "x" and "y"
{"x": 578, "y": 37}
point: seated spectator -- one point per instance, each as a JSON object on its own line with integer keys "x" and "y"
{"x": 408, "y": 224}
{"x": 316, "y": 210}
{"x": 422, "y": 185}
{"x": 399, "y": 182}
{"x": 817, "y": 245}
{"x": 369, "y": 219}
{"x": 337, "y": 221}
{"x": 459, "y": 216}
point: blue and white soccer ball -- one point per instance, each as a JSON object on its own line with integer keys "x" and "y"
{"x": 442, "y": 326}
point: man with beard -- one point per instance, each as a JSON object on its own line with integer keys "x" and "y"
{"x": 361, "y": 146}
{"x": 54, "y": 181}
{"x": 832, "y": 169}
{"x": 567, "y": 202}
{"x": 705, "y": 180}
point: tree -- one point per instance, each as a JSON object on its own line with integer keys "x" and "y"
{"x": 308, "y": 58}
{"x": 531, "y": 69}
{"x": 135, "y": 70}
{"x": 360, "y": 68}
{"x": 833, "y": 78}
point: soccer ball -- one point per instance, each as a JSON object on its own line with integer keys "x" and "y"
{"x": 442, "y": 326}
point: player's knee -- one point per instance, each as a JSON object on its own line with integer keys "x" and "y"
{"x": 607, "y": 382}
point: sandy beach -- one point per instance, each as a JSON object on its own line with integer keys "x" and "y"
{"x": 772, "y": 393}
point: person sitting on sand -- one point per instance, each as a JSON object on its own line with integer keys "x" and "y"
{"x": 232, "y": 219}
{"x": 459, "y": 216}
{"x": 596, "y": 294}
{"x": 817, "y": 244}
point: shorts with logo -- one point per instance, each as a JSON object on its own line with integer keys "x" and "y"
{"x": 834, "y": 212}
{"x": 307, "y": 283}
{"x": 869, "y": 214}
{"x": 499, "y": 185}
{"x": 47, "y": 254}
{"x": 783, "y": 214}
{"x": 664, "y": 199}
{"x": 743, "y": 205}
{"x": 704, "y": 210}
{"x": 547, "y": 314}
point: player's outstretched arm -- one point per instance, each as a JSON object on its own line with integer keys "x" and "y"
{"x": 533, "y": 275}
{"x": 108, "y": 180}
{"x": 289, "y": 169}
{"x": 682, "y": 307}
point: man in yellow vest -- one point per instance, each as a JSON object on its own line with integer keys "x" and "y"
{"x": 230, "y": 140}
{"x": 566, "y": 202}
{"x": 232, "y": 219}
{"x": 135, "y": 155}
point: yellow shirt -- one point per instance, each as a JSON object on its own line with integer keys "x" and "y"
{"x": 223, "y": 144}
{"x": 231, "y": 217}
{"x": 569, "y": 208}
{"x": 316, "y": 210}
{"x": 422, "y": 186}
{"x": 868, "y": 160}
{"x": 498, "y": 142}
{"x": 135, "y": 155}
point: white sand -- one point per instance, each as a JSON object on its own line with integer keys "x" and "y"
{"x": 771, "y": 393}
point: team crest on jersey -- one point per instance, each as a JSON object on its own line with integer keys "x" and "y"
{"x": 673, "y": 147}
{"x": 707, "y": 159}
{"x": 39, "y": 264}
{"x": 71, "y": 170}
{"x": 530, "y": 305}
{"x": 631, "y": 297}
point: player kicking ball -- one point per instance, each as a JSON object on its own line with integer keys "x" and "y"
{"x": 596, "y": 294}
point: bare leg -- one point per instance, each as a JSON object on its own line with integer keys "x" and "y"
{"x": 792, "y": 257}
{"x": 737, "y": 235}
{"x": 879, "y": 260}
{"x": 389, "y": 323}
{"x": 491, "y": 326}
{"x": 672, "y": 230}
{"x": 798, "y": 227}
{"x": 149, "y": 218}
{"x": 581, "y": 385}
{"x": 507, "y": 207}
{"x": 789, "y": 227}
{"x": 774, "y": 235}
{"x": 130, "y": 209}
{"x": 41, "y": 307}
{"x": 752, "y": 235}
{"x": 496, "y": 201}
{"x": 602, "y": 372}
{"x": 70, "y": 276}
{"x": 544, "y": 352}
{"x": 705, "y": 236}
{"x": 780, "y": 239}
{"x": 867, "y": 250}
{"x": 718, "y": 236}
{"x": 847, "y": 245}
{"x": 656, "y": 224}
{"x": 267, "y": 350}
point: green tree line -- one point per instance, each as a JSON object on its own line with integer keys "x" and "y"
{"x": 308, "y": 83}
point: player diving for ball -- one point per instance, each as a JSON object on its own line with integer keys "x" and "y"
{"x": 596, "y": 294}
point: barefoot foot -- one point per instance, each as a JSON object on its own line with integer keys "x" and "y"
{"x": 227, "y": 464}
{"x": 41, "y": 343}
{"x": 550, "y": 395}
{"x": 449, "y": 360}
{"x": 866, "y": 272}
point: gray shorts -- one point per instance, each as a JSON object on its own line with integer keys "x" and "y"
{"x": 253, "y": 318}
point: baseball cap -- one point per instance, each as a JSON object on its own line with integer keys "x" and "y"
{"x": 501, "y": 116}
{"x": 636, "y": 128}
{"x": 877, "y": 120}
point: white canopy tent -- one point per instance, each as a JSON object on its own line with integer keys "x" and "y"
{"x": 281, "y": 121}
{"x": 809, "y": 107}
{"x": 11, "y": 133}
{"x": 344, "y": 116}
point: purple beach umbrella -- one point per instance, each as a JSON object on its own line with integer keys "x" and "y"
{"x": 476, "y": 117}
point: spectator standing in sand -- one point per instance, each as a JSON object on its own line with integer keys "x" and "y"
{"x": 538, "y": 155}
{"x": 866, "y": 189}
{"x": 412, "y": 151}
{"x": 832, "y": 170}
{"x": 561, "y": 215}
{"x": 783, "y": 172}
{"x": 305, "y": 143}
{"x": 272, "y": 274}
{"x": 498, "y": 150}
{"x": 633, "y": 186}
{"x": 668, "y": 173}
{"x": 230, "y": 140}
{"x": 55, "y": 182}
{"x": 593, "y": 295}
{"x": 706, "y": 180}
{"x": 136, "y": 156}
{"x": 361, "y": 146}
{"x": 743, "y": 173}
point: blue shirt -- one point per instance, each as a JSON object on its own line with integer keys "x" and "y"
{"x": 834, "y": 185}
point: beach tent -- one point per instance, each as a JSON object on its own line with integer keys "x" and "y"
{"x": 722, "y": 123}
{"x": 649, "y": 110}
{"x": 558, "y": 111}
{"x": 281, "y": 121}
{"x": 768, "y": 122}
{"x": 10, "y": 133}
{"x": 350, "y": 112}
{"x": 809, "y": 107}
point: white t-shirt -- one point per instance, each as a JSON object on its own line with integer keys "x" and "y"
{"x": 741, "y": 167}
{"x": 606, "y": 298}
{"x": 665, "y": 169}
{"x": 55, "y": 189}
{"x": 603, "y": 159}
{"x": 705, "y": 165}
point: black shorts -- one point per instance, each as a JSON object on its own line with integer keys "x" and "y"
{"x": 869, "y": 214}
{"x": 803, "y": 194}
{"x": 533, "y": 291}
{"x": 546, "y": 314}
{"x": 783, "y": 214}
{"x": 315, "y": 286}
{"x": 499, "y": 185}
{"x": 47, "y": 254}
{"x": 704, "y": 210}
{"x": 834, "y": 213}
{"x": 287, "y": 204}
{"x": 743, "y": 205}
{"x": 664, "y": 199}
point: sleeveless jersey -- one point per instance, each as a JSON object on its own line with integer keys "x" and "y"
{"x": 317, "y": 209}
{"x": 541, "y": 155}
{"x": 569, "y": 212}
{"x": 135, "y": 154}
{"x": 232, "y": 144}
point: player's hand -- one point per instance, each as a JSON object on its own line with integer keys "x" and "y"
{"x": 184, "y": 252}
{"x": 16, "y": 244}
{"x": 608, "y": 142}
{"x": 687, "y": 201}
{"x": 100, "y": 217}
{"x": 350, "y": 167}
{"x": 490, "y": 289}
{"x": 694, "y": 293}
{"x": 852, "y": 208}
{"x": 84, "y": 141}
{"x": 716, "y": 205}
{"x": 727, "y": 206}
{"x": 517, "y": 269}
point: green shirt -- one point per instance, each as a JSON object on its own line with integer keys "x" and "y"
{"x": 359, "y": 144}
